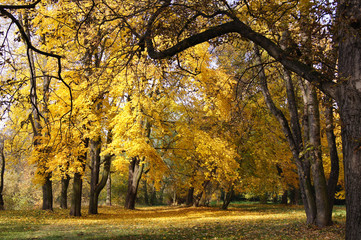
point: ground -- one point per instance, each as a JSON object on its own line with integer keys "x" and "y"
{"x": 241, "y": 221}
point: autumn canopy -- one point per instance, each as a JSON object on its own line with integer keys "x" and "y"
{"x": 193, "y": 101}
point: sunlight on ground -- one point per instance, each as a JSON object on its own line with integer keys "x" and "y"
{"x": 241, "y": 222}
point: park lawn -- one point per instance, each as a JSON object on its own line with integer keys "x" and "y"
{"x": 241, "y": 221}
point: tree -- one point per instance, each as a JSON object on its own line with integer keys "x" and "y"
{"x": 226, "y": 19}
{"x": 168, "y": 28}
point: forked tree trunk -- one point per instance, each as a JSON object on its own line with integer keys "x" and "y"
{"x": 135, "y": 174}
{"x": 197, "y": 198}
{"x": 93, "y": 204}
{"x": 332, "y": 147}
{"x": 96, "y": 185}
{"x": 64, "y": 192}
{"x": 227, "y": 198}
{"x": 324, "y": 212}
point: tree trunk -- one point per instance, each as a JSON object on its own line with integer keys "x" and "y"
{"x": 190, "y": 196}
{"x": 197, "y": 198}
{"x": 324, "y": 213}
{"x": 331, "y": 141}
{"x": 47, "y": 194}
{"x": 2, "y": 171}
{"x": 227, "y": 198}
{"x": 97, "y": 186}
{"x": 64, "y": 192}
{"x": 100, "y": 185}
{"x": 75, "y": 209}
{"x": 349, "y": 102}
{"x": 108, "y": 200}
{"x": 310, "y": 200}
{"x": 135, "y": 174}
{"x": 95, "y": 147}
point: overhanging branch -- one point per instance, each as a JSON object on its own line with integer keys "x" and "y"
{"x": 236, "y": 26}
{"x": 25, "y": 6}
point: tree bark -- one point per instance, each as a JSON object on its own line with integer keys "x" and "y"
{"x": 75, "y": 209}
{"x": 47, "y": 194}
{"x": 64, "y": 192}
{"x": 95, "y": 147}
{"x": 324, "y": 212}
{"x": 135, "y": 174}
{"x": 332, "y": 147}
{"x": 349, "y": 102}
{"x": 2, "y": 171}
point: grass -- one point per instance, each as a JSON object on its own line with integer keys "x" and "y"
{"x": 241, "y": 221}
